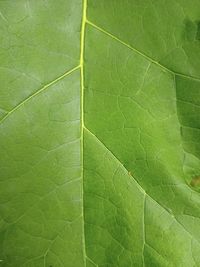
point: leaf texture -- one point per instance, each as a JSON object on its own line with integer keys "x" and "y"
{"x": 99, "y": 133}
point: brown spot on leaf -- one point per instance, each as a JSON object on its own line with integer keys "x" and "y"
{"x": 195, "y": 182}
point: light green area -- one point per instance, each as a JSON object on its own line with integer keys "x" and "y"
{"x": 136, "y": 110}
{"x": 41, "y": 202}
{"x": 40, "y": 149}
{"x": 39, "y": 42}
{"x": 114, "y": 208}
{"x": 99, "y": 133}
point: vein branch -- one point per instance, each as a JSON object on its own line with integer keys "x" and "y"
{"x": 38, "y": 92}
{"x": 140, "y": 187}
{"x": 139, "y": 52}
{"x": 127, "y": 45}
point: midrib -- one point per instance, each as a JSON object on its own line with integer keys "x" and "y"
{"x": 84, "y": 8}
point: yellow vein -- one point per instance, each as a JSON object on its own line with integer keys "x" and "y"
{"x": 38, "y": 92}
{"x": 84, "y": 8}
{"x": 139, "y": 52}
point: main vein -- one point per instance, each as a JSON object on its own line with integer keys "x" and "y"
{"x": 84, "y": 8}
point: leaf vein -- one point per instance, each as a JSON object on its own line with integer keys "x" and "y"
{"x": 38, "y": 92}
{"x": 139, "y": 52}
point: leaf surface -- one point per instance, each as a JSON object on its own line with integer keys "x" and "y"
{"x": 99, "y": 133}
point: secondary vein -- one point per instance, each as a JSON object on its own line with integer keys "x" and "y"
{"x": 38, "y": 92}
{"x": 140, "y": 53}
{"x": 141, "y": 189}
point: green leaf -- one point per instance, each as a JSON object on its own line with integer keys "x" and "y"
{"x": 100, "y": 133}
